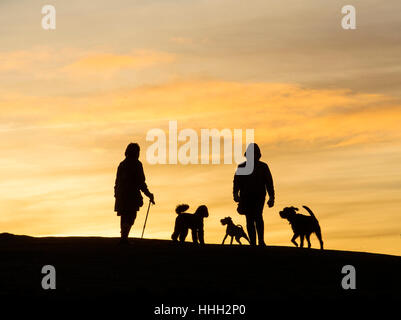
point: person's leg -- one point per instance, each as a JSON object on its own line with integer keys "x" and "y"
{"x": 123, "y": 228}
{"x": 260, "y": 227}
{"x": 131, "y": 221}
{"x": 250, "y": 226}
{"x": 127, "y": 220}
{"x": 260, "y": 224}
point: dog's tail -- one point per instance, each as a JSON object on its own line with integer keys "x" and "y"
{"x": 181, "y": 208}
{"x": 317, "y": 230}
{"x": 310, "y": 212}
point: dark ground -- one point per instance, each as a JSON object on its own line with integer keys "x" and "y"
{"x": 148, "y": 273}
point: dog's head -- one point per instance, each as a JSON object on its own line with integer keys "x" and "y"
{"x": 202, "y": 211}
{"x": 288, "y": 212}
{"x": 226, "y": 220}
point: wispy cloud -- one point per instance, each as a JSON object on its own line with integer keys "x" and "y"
{"x": 280, "y": 113}
{"x": 181, "y": 40}
{"x": 101, "y": 63}
{"x": 26, "y": 60}
{"x": 43, "y": 62}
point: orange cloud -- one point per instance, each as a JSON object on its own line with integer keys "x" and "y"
{"x": 111, "y": 62}
{"x": 60, "y": 154}
{"x": 278, "y": 112}
{"x": 23, "y": 60}
{"x": 72, "y": 64}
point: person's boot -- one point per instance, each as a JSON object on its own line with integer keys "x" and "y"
{"x": 261, "y": 243}
{"x": 124, "y": 234}
{"x": 260, "y": 227}
{"x": 261, "y": 240}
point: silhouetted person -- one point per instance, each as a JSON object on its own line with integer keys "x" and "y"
{"x": 250, "y": 191}
{"x": 130, "y": 181}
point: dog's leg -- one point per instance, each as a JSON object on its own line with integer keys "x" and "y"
{"x": 174, "y": 236}
{"x": 194, "y": 236}
{"x": 200, "y": 235}
{"x": 183, "y": 234}
{"x": 319, "y": 236}
{"x": 308, "y": 239}
{"x": 301, "y": 244}
{"x": 177, "y": 231}
{"x": 225, "y": 237}
{"x": 293, "y": 239}
{"x": 238, "y": 240}
{"x": 232, "y": 238}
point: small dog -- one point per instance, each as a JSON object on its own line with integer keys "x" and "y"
{"x": 234, "y": 231}
{"x": 302, "y": 225}
{"x": 193, "y": 221}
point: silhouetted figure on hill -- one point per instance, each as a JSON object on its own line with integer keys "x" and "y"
{"x": 130, "y": 181}
{"x": 234, "y": 231}
{"x": 250, "y": 193}
{"x": 186, "y": 221}
{"x": 303, "y": 226}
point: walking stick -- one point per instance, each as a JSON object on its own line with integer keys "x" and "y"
{"x": 146, "y": 219}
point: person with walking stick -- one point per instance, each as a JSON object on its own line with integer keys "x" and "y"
{"x": 130, "y": 181}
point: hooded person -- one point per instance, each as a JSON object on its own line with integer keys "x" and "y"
{"x": 130, "y": 182}
{"x": 250, "y": 190}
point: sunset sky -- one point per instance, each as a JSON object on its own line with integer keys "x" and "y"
{"x": 325, "y": 104}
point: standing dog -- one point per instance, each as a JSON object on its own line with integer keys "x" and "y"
{"x": 186, "y": 221}
{"x": 234, "y": 231}
{"x": 302, "y": 225}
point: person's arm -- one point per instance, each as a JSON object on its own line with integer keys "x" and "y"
{"x": 269, "y": 187}
{"x": 142, "y": 185}
{"x": 236, "y": 188}
{"x": 117, "y": 183}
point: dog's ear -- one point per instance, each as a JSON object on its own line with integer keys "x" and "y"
{"x": 295, "y": 209}
{"x": 282, "y": 213}
{"x": 206, "y": 212}
{"x": 202, "y": 211}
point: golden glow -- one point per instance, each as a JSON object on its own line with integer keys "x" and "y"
{"x": 329, "y": 133}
